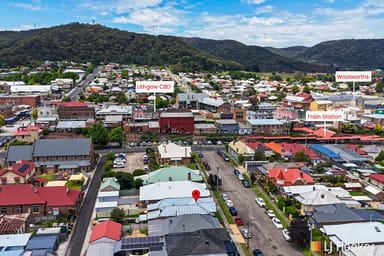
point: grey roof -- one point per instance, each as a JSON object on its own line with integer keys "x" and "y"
{"x": 264, "y": 122}
{"x": 346, "y": 154}
{"x": 43, "y": 242}
{"x": 190, "y": 96}
{"x": 180, "y": 224}
{"x": 202, "y": 242}
{"x": 335, "y": 213}
{"x": 226, "y": 121}
{"x": 19, "y": 153}
{"x": 369, "y": 215}
{"x": 62, "y": 147}
{"x": 101, "y": 249}
{"x": 176, "y": 114}
{"x": 212, "y": 102}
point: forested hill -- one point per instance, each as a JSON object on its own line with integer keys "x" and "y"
{"x": 96, "y": 43}
{"x": 347, "y": 54}
{"x": 289, "y": 52}
{"x": 254, "y": 58}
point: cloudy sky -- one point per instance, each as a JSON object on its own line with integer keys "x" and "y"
{"x": 278, "y": 23}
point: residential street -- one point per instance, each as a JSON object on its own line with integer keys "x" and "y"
{"x": 265, "y": 235}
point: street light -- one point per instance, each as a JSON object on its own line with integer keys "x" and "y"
{"x": 311, "y": 225}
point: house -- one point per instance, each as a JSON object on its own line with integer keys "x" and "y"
{"x": 340, "y": 214}
{"x": 14, "y": 223}
{"x": 377, "y": 180}
{"x": 215, "y": 105}
{"x": 347, "y": 236}
{"x": 238, "y": 147}
{"x": 109, "y": 184}
{"x": 189, "y": 100}
{"x": 106, "y": 201}
{"x": 48, "y": 243}
{"x": 298, "y": 101}
{"x": 28, "y": 134}
{"x": 212, "y": 242}
{"x": 104, "y": 239}
{"x": 173, "y": 173}
{"x": 18, "y": 153}
{"x": 115, "y": 110}
{"x": 170, "y": 207}
{"x": 31, "y": 100}
{"x": 181, "y": 122}
{"x": 289, "y": 177}
{"x": 11, "y": 242}
{"x": 174, "y": 154}
{"x": 227, "y": 126}
{"x": 171, "y": 189}
{"x": 40, "y": 202}
{"x": 74, "y": 110}
{"x": 268, "y": 126}
{"x": 19, "y": 173}
{"x": 6, "y": 110}
{"x": 63, "y": 155}
{"x": 181, "y": 224}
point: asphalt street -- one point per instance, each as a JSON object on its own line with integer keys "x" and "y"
{"x": 265, "y": 235}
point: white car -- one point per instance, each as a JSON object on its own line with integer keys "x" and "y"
{"x": 270, "y": 213}
{"x": 225, "y": 196}
{"x": 286, "y": 235}
{"x": 228, "y": 203}
{"x": 240, "y": 177}
{"x": 245, "y": 232}
{"x": 119, "y": 165}
{"x": 260, "y": 202}
{"x": 277, "y": 223}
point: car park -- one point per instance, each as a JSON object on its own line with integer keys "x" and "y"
{"x": 246, "y": 184}
{"x": 270, "y": 213}
{"x": 246, "y": 233}
{"x": 232, "y": 211}
{"x": 260, "y": 202}
{"x": 286, "y": 235}
{"x": 239, "y": 221}
{"x": 257, "y": 252}
{"x": 228, "y": 203}
{"x": 277, "y": 223}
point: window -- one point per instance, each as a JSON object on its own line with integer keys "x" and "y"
{"x": 35, "y": 209}
{"x": 19, "y": 209}
{"x": 3, "y": 210}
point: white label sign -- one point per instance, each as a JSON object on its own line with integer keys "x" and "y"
{"x": 324, "y": 116}
{"x": 155, "y": 86}
{"x": 353, "y": 76}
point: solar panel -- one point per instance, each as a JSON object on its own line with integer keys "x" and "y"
{"x": 153, "y": 243}
{"x": 23, "y": 168}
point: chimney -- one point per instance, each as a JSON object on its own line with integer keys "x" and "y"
{"x": 185, "y": 149}
{"x": 313, "y": 188}
{"x": 165, "y": 148}
{"x": 189, "y": 176}
{"x": 322, "y": 196}
{"x": 301, "y": 174}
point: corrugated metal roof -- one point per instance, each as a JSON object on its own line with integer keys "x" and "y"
{"x": 62, "y": 147}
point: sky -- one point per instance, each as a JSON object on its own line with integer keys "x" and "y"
{"x": 276, "y": 23}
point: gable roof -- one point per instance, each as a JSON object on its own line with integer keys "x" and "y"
{"x": 106, "y": 229}
{"x": 276, "y": 147}
{"x": 335, "y": 213}
{"x": 20, "y": 168}
{"x": 201, "y": 242}
{"x": 110, "y": 182}
{"x": 175, "y": 173}
{"x": 289, "y": 176}
{"x": 22, "y": 194}
{"x": 62, "y": 147}
{"x": 16, "y": 153}
{"x": 377, "y": 177}
{"x": 323, "y": 132}
{"x": 240, "y": 147}
{"x": 317, "y": 197}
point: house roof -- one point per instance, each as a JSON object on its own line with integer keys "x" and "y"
{"x": 335, "y": 213}
{"x": 12, "y": 240}
{"x": 20, "y": 168}
{"x": 191, "y": 96}
{"x": 289, "y": 176}
{"x": 356, "y": 233}
{"x": 377, "y": 177}
{"x": 317, "y": 197}
{"x": 173, "y": 189}
{"x": 240, "y": 147}
{"x": 172, "y": 150}
{"x": 178, "y": 114}
{"x": 16, "y": 153}
{"x": 110, "y": 182}
{"x": 43, "y": 242}
{"x": 100, "y": 249}
{"x": 106, "y": 229}
{"x": 181, "y": 224}
{"x": 276, "y": 147}
{"x": 201, "y": 242}
{"x": 255, "y": 122}
{"x": 295, "y": 148}
{"x": 71, "y": 104}
{"x": 62, "y": 147}
{"x": 174, "y": 173}
{"x": 323, "y": 132}
{"x": 11, "y": 224}
{"x": 22, "y": 194}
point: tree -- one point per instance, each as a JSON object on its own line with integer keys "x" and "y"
{"x": 253, "y": 177}
{"x": 98, "y": 134}
{"x": 240, "y": 158}
{"x": 295, "y": 89}
{"x": 117, "y": 135}
{"x": 125, "y": 180}
{"x": 379, "y": 87}
{"x": 377, "y": 129}
{"x": 299, "y": 231}
{"x": 110, "y": 156}
{"x": 380, "y": 157}
{"x": 117, "y": 214}
{"x": 138, "y": 183}
{"x": 35, "y": 113}
{"x": 306, "y": 89}
{"x": 138, "y": 172}
{"x": 66, "y": 99}
{"x": 259, "y": 155}
{"x": 2, "y": 120}
{"x": 301, "y": 157}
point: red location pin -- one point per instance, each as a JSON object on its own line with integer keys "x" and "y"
{"x": 196, "y": 194}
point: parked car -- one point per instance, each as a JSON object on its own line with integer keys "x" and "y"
{"x": 260, "y": 202}
{"x": 246, "y": 233}
{"x": 270, "y": 213}
{"x": 225, "y": 196}
{"x": 118, "y": 165}
{"x": 233, "y": 211}
{"x": 236, "y": 172}
{"x": 286, "y": 235}
{"x": 206, "y": 165}
{"x": 240, "y": 177}
{"x": 246, "y": 184}
{"x": 257, "y": 252}
{"x": 200, "y": 155}
{"x": 226, "y": 158}
{"x": 277, "y": 223}
{"x": 239, "y": 221}
{"x": 228, "y": 203}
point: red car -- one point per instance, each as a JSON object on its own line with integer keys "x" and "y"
{"x": 239, "y": 221}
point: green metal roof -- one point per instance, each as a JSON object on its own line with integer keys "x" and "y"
{"x": 173, "y": 173}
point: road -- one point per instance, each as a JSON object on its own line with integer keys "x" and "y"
{"x": 265, "y": 235}
{"x": 82, "y": 222}
{"x": 73, "y": 94}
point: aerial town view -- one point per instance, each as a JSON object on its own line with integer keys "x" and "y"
{"x": 192, "y": 128}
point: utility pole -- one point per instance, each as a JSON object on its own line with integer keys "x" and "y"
{"x": 217, "y": 178}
